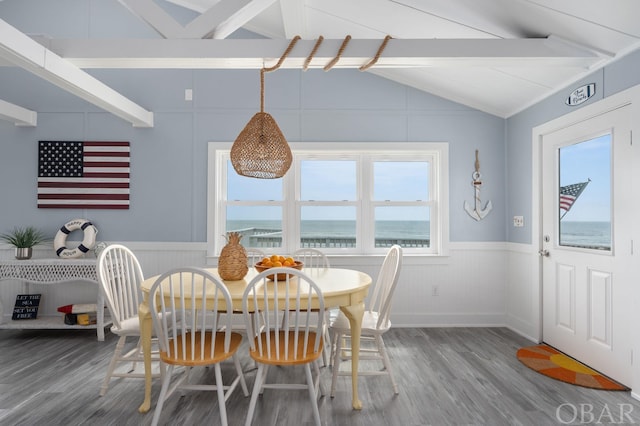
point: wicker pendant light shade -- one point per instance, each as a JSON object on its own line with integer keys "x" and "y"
{"x": 260, "y": 150}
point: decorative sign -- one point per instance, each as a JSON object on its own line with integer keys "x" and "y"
{"x": 26, "y": 306}
{"x": 581, "y": 94}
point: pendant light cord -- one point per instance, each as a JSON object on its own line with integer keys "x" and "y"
{"x": 292, "y": 43}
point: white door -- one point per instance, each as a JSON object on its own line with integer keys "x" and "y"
{"x": 586, "y": 242}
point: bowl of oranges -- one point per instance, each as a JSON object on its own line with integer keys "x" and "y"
{"x": 275, "y": 261}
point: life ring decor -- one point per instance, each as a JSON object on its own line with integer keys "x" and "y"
{"x": 60, "y": 241}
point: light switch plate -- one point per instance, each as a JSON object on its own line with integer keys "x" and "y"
{"x": 518, "y": 221}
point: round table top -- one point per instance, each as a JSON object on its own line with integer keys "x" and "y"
{"x": 332, "y": 281}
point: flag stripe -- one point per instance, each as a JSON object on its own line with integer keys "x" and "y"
{"x": 90, "y": 174}
{"x": 103, "y": 205}
{"x": 84, "y": 196}
{"x": 75, "y": 190}
{"x": 87, "y": 185}
{"x": 566, "y": 201}
{"x": 48, "y": 181}
{"x": 110, "y": 164}
{"x": 108, "y": 175}
{"x": 75, "y": 203}
{"x": 105, "y": 154}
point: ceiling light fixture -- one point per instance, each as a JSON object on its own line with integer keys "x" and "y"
{"x": 261, "y": 150}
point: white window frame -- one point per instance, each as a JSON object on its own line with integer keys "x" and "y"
{"x": 364, "y": 153}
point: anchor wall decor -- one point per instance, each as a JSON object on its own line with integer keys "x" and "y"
{"x": 477, "y": 212}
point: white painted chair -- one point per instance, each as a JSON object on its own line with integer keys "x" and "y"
{"x": 314, "y": 258}
{"x": 294, "y": 342}
{"x": 120, "y": 275}
{"x": 184, "y": 305}
{"x": 254, "y": 256}
{"x": 375, "y": 323}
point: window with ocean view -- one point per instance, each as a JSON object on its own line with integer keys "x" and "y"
{"x": 585, "y": 194}
{"x": 335, "y": 198}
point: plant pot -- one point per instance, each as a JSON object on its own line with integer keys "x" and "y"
{"x": 23, "y": 253}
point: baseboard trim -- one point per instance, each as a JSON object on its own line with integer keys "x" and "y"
{"x": 448, "y": 320}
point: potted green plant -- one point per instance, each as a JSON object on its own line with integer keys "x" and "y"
{"x": 23, "y": 239}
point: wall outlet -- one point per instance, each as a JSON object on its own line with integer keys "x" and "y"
{"x": 435, "y": 290}
{"x": 518, "y": 221}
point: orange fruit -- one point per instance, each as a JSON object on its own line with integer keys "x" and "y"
{"x": 276, "y": 264}
{"x": 275, "y": 258}
{"x": 290, "y": 260}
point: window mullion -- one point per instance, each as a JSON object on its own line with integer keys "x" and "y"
{"x": 366, "y": 228}
{"x": 290, "y": 213}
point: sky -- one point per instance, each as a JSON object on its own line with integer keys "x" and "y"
{"x": 335, "y": 180}
{"x": 588, "y": 160}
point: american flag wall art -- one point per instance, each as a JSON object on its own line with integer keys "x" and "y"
{"x": 86, "y": 175}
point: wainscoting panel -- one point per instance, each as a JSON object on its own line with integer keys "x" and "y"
{"x": 473, "y": 286}
{"x": 523, "y": 304}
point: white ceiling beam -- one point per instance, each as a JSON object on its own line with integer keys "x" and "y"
{"x": 26, "y": 53}
{"x": 256, "y": 53}
{"x": 156, "y": 17}
{"x": 199, "y": 6}
{"x": 218, "y": 21}
{"x": 241, "y": 17}
{"x": 19, "y": 115}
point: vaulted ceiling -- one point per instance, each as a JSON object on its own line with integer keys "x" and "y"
{"x": 498, "y": 56}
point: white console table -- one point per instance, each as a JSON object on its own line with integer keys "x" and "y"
{"x": 53, "y": 271}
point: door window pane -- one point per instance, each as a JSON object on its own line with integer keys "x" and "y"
{"x": 328, "y": 180}
{"x": 585, "y": 194}
{"x": 260, "y": 226}
{"x": 407, "y": 226}
{"x": 328, "y": 227}
{"x": 400, "y": 180}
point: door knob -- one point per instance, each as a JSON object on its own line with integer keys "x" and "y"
{"x": 544, "y": 253}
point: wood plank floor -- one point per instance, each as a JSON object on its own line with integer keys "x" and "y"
{"x": 447, "y": 376}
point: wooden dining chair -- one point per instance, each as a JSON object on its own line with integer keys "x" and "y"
{"x": 120, "y": 275}
{"x": 293, "y": 342}
{"x": 375, "y": 323}
{"x": 184, "y": 304}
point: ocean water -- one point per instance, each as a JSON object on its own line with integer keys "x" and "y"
{"x": 581, "y": 234}
{"x": 342, "y": 228}
{"x": 586, "y": 234}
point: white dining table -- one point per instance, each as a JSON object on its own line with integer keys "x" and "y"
{"x": 343, "y": 288}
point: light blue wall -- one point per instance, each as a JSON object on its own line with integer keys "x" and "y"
{"x": 168, "y": 161}
{"x": 168, "y": 187}
{"x": 619, "y": 75}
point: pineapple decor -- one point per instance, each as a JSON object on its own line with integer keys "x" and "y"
{"x": 232, "y": 264}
